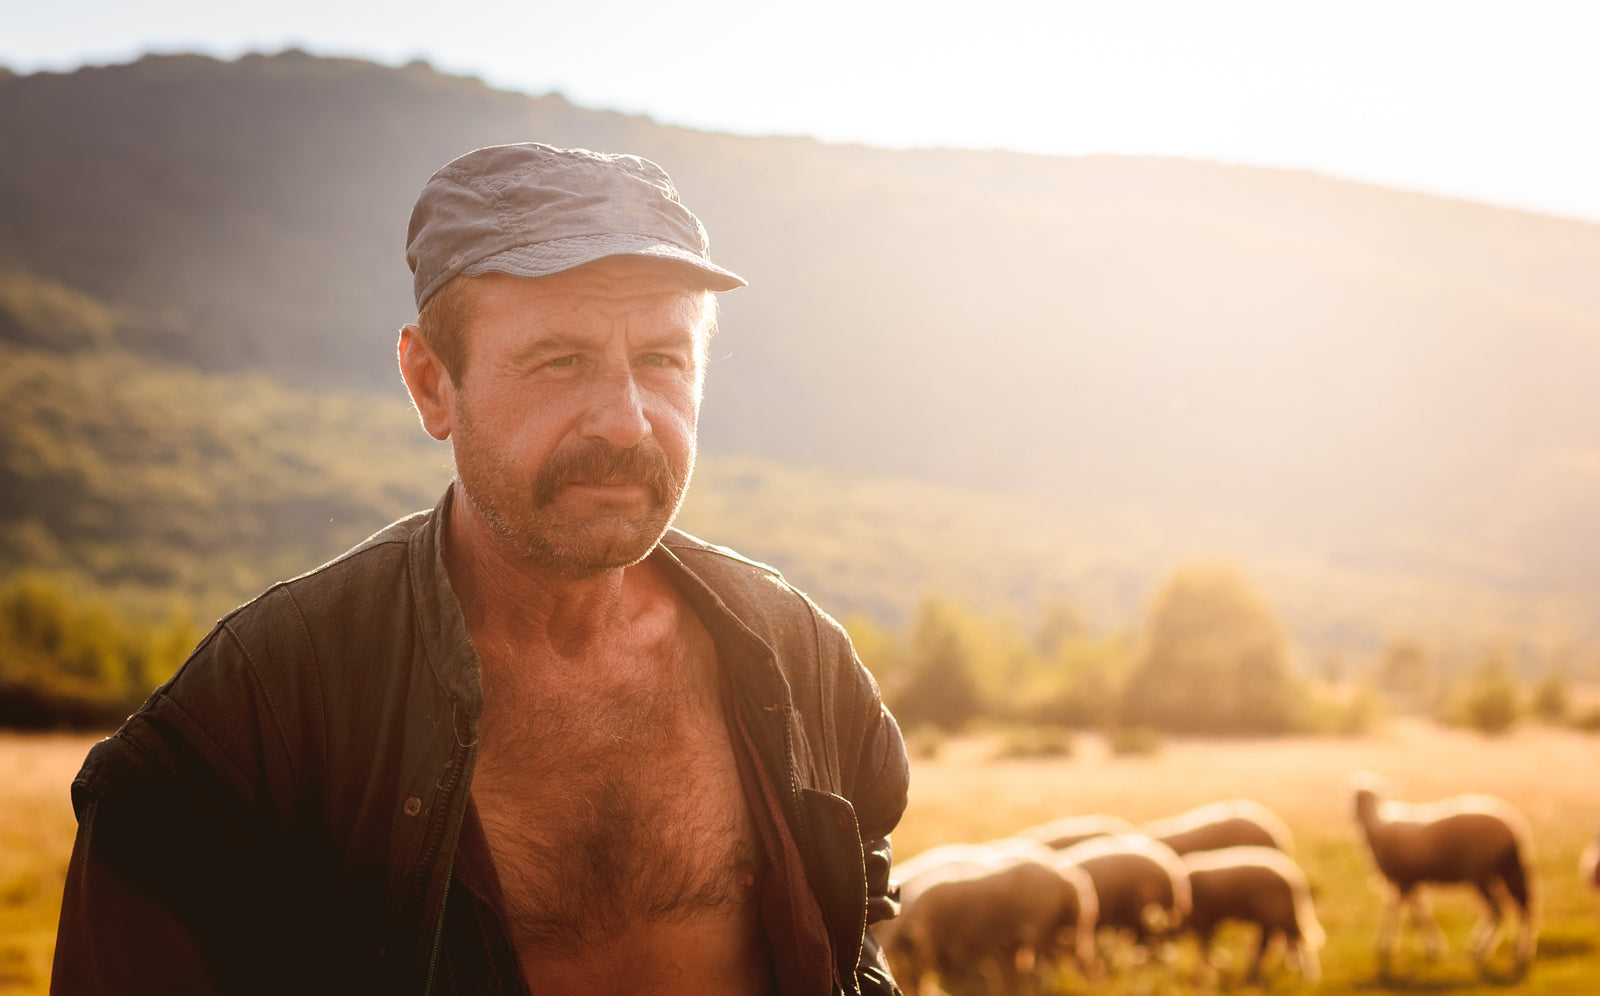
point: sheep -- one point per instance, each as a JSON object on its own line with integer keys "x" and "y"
{"x": 1259, "y": 885}
{"x": 1141, "y": 884}
{"x": 989, "y": 916}
{"x": 1069, "y": 830}
{"x": 908, "y": 871}
{"x": 1472, "y": 839}
{"x": 1589, "y": 864}
{"x": 1231, "y": 823}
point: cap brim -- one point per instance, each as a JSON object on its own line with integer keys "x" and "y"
{"x": 546, "y": 259}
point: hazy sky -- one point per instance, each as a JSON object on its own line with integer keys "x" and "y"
{"x": 1496, "y": 101}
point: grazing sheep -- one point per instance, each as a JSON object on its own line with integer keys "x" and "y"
{"x": 986, "y": 920}
{"x": 908, "y": 871}
{"x": 1231, "y": 823}
{"x": 1477, "y": 840}
{"x": 1589, "y": 864}
{"x": 1259, "y": 885}
{"x": 1069, "y": 830}
{"x": 1141, "y": 883}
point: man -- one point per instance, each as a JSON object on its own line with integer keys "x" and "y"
{"x": 531, "y": 740}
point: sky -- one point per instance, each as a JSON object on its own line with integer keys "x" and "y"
{"x": 1491, "y": 101}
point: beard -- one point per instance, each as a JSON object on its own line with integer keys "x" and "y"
{"x": 532, "y": 521}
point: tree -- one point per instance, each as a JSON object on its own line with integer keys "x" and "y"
{"x": 1552, "y": 700}
{"x": 939, "y": 688}
{"x": 1214, "y": 659}
{"x": 1406, "y": 676}
{"x": 1490, "y": 702}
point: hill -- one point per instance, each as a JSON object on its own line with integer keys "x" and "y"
{"x": 1177, "y": 355}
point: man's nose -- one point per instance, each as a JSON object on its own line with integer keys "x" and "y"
{"x": 616, "y": 411}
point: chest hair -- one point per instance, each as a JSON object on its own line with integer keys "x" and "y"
{"x": 611, "y": 806}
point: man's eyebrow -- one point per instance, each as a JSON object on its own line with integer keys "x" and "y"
{"x": 674, "y": 335}
{"x": 553, "y": 342}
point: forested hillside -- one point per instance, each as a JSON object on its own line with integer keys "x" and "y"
{"x": 1006, "y": 377}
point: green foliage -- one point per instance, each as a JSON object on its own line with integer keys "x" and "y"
{"x": 877, "y": 648}
{"x": 143, "y": 477}
{"x": 1488, "y": 701}
{"x": 939, "y": 689}
{"x": 1552, "y": 699}
{"x": 1081, "y": 684}
{"x": 1023, "y": 742}
{"x": 1214, "y": 659}
{"x": 1134, "y": 741}
{"x": 67, "y": 660}
{"x": 924, "y": 742}
{"x": 1353, "y": 713}
{"x": 1361, "y": 712}
{"x": 1406, "y": 675}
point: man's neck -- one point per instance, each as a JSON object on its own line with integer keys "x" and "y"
{"x": 514, "y": 602}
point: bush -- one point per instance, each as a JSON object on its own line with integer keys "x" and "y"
{"x": 1133, "y": 741}
{"x": 1214, "y": 659}
{"x": 1082, "y": 684}
{"x": 1489, "y": 702}
{"x": 925, "y": 742}
{"x": 939, "y": 688}
{"x": 67, "y": 660}
{"x": 1035, "y": 741}
{"x": 1551, "y": 700}
{"x": 1354, "y": 715}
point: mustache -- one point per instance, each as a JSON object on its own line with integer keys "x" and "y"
{"x": 596, "y": 462}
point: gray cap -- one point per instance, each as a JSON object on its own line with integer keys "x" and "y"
{"x": 533, "y": 210}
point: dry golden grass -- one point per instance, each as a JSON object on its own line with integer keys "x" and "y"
{"x": 1553, "y": 776}
{"x": 36, "y": 831}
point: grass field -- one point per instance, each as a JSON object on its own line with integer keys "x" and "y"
{"x": 1553, "y": 776}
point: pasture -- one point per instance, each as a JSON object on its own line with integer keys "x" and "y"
{"x": 1553, "y": 776}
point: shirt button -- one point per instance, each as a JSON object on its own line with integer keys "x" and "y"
{"x": 413, "y": 806}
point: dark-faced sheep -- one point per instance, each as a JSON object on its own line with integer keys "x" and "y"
{"x": 1258, "y": 885}
{"x": 1476, "y": 840}
{"x": 1141, "y": 883}
{"x": 1589, "y": 864}
{"x": 987, "y": 921}
{"x": 1231, "y": 823}
{"x": 1071, "y": 830}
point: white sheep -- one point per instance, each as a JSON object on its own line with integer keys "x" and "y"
{"x": 1230, "y": 823}
{"x": 988, "y": 919}
{"x": 1477, "y": 840}
{"x": 908, "y": 871}
{"x": 1071, "y": 830}
{"x": 1258, "y": 885}
{"x": 1141, "y": 884}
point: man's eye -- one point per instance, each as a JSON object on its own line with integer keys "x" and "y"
{"x": 564, "y": 361}
{"x": 656, "y": 360}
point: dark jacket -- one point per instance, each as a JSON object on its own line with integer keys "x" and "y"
{"x": 282, "y": 814}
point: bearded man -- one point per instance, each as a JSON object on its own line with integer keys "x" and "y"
{"x": 535, "y": 739}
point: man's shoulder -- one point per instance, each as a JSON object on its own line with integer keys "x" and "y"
{"x": 685, "y": 545}
{"x": 367, "y": 572}
{"x": 756, "y": 592}
{"x": 732, "y": 575}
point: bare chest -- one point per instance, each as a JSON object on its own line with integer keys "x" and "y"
{"x": 620, "y": 834}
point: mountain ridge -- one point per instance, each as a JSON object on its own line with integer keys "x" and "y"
{"x": 1380, "y": 376}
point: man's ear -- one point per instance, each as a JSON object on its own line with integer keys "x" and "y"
{"x": 432, "y": 390}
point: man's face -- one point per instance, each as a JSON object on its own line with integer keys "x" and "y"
{"x": 574, "y": 422}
